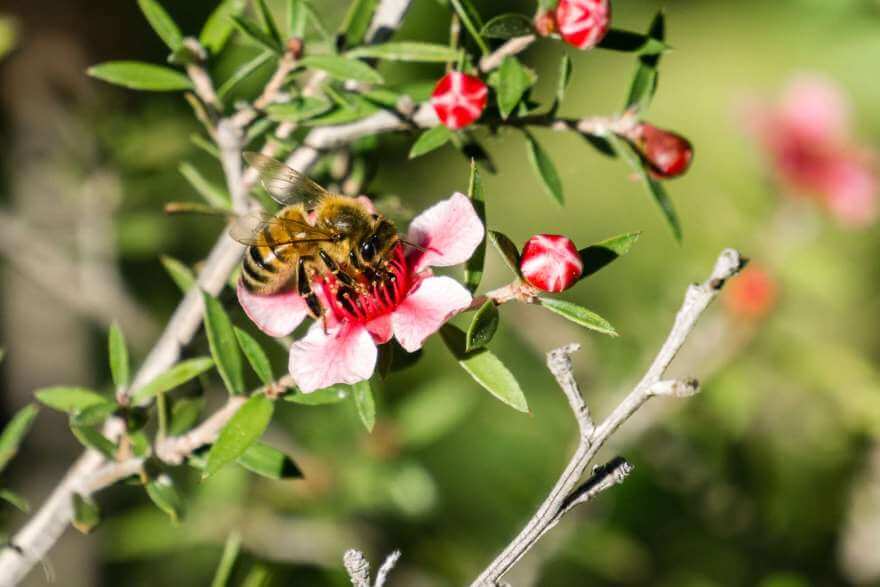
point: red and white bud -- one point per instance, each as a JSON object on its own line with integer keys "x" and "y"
{"x": 752, "y": 294}
{"x": 583, "y": 23}
{"x": 459, "y": 99}
{"x": 551, "y": 262}
{"x": 545, "y": 22}
{"x": 667, "y": 153}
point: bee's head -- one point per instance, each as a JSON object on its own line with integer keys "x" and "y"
{"x": 379, "y": 242}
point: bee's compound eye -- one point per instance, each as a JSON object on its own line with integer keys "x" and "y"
{"x": 368, "y": 249}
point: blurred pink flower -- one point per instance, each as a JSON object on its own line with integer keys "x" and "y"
{"x": 807, "y": 136}
{"x": 409, "y": 307}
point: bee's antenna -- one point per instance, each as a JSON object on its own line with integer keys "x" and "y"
{"x": 413, "y": 245}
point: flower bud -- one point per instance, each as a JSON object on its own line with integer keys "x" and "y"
{"x": 752, "y": 294}
{"x": 583, "y": 23}
{"x": 545, "y": 22}
{"x": 667, "y": 153}
{"x": 459, "y": 99}
{"x": 551, "y": 262}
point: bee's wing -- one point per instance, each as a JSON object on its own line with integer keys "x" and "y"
{"x": 285, "y": 185}
{"x": 249, "y": 229}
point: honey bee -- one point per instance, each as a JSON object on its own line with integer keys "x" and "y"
{"x": 315, "y": 232}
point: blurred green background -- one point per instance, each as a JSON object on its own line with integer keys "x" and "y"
{"x": 771, "y": 476}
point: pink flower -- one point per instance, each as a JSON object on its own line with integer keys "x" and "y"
{"x": 341, "y": 348}
{"x": 583, "y": 23}
{"x": 459, "y": 99}
{"x": 551, "y": 262}
{"x": 808, "y": 138}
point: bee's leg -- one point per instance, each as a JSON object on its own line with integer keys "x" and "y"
{"x": 343, "y": 277}
{"x": 304, "y": 288}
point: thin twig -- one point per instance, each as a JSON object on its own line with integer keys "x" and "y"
{"x": 568, "y": 491}
{"x": 358, "y": 567}
{"x": 512, "y": 47}
{"x": 386, "y": 568}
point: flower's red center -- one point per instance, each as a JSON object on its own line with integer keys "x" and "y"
{"x": 375, "y": 293}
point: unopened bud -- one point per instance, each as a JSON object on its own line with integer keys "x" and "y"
{"x": 551, "y": 262}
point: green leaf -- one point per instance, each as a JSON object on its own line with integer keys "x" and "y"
{"x": 507, "y": 26}
{"x": 299, "y": 109}
{"x": 431, "y": 139}
{"x": 91, "y": 438}
{"x": 118, "y": 352}
{"x": 93, "y": 415}
{"x": 185, "y": 412}
{"x": 255, "y": 34}
{"x": 270, "y": 462}
{"x": 163, "y": 493}
{"x": 329, "y": 395}
{"x": 224, "y": 346}
{"x": 296, "y": 18}
{"x": 243, "y": 72}
{"x": 357, "y": 22}
{"x": 343, "y": 68}
{"x": 630, "y": 42}
{"x": 255, "y": 355}
{"x": 162, "y": 23}
{"x": 543, "y": 166}
{"x": 140, "y": 76}
{"x": 357, "y": 109}
{"x": 407, "y": 51}
{"x": 644, "y": 84}
{"x": 483, "y": 326}
{"x": 69, "y": 399}
{"x": 578, "y": 315}
{"x": 562, "y": 81}
{"x": 174, "y": 377}
{"x": 14, "y": 432}
{"x": 86, "y": 515}
{"x": 513, "y": 82}
{"x": 227, "y": 560}
{"x": 243, "y": 429}
{"x": 485, "y": 368}
{"x": 473, "y": 268}
{"x": 362, "y": 394}
{"x": 470, "y": 18}
{"x": 597, "y": 256}
{"x": 182, "y": 275}
{"x": 505, "y": 247}
{"x": 205, "y": 145}
{"x": 219, "y": 25}
{"x": 213, "y": 194}
{"x": 268, "y": 22}
{"x": 15, "y": 500}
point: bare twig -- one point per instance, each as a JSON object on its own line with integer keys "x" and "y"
{"x": 512, "y": 47}
{"x": 568, "y": 491}
{"x": 358, "y": 567}
{"x": 386, "y": 568}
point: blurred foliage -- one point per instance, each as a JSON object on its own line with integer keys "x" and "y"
{"x": 746, "y": 484}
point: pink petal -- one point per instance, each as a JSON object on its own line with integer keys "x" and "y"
{"x": 450, "y": 230}
{"x": 380, "y": 328}
{"x": 345, "y": 355}
{"x": 276, "y": 315}
{"x": 434, "y": 301}
{"x": 852, "y": 192}
{"x": 815, "y": 108}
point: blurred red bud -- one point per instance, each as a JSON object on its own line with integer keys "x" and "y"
{"x": 551, "y": 262}
{"x": 752, "y": 294}
{"x": 667, "y": 153}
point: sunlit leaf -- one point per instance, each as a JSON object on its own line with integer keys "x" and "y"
{"x": 299, "y": 109}
{"x": 227, "y": 560}
{"x": 513, "y": 81}
{"x": 164, "y": 494}
{"x": 174, "y": 377}
{"x": 485, "y": 368}
{"x": 562, "y": 81}
{"x": 15, "y": 500}
{"x": 406, "y": 51}
{"x": 483, "y": 326}
{"x": 162, "y": 23}
{"x": 505, "y": 247}
{"x": 431, "y": 139}
{"x": 365, "y": 404}
{"x": 244, "y": 72}
{"x": 213, "y": 194}
{"x": 14, "y": 432}
{"x": 578, "y": 315}
{"x": 296, "y": 18}
{"x": 255, "y": 356}
{"x": 90, "y": 437}
{"x": 343, "y": 68}
{"x": 182, "y": 275}
{"x": 118, "y": 351}
{"x": 544, "y": 168}
{"x": 267, "y": 21}
{"x": 471, "y": 20}
{"x": 223, "y": 344}
{"x": 269, "y": 462}
{"x": 597, "y": 256}
{"x": 86, "y": 515}
{"x": 243, "y": 430}
{"x": 69, "y": 399}
{"x": 357, "y": 22}
{"x": 473, "y": 268}
{"x": 507, "y": 26}
{"x": 140, "y": 76}
{"x": 94, "y": 415}
{"x": 219, "y": 25}
{"x": 255, "y": 34}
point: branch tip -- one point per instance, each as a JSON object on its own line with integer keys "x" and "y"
{"x": 680, "y": 388}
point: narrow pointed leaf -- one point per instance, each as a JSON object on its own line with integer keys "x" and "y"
{"x": 507, "y": 26}
{"x": 94, "y": 415}
{"x": 343, "y": 68}
{"x": 243, "y": 72}
{"x": 473, "y": 268}
{"x": 86, "y": 515}
{"x": 597, "y": 256}
{"x": 407, "y": 51}
{"x": 513, "y": 81}
{"x": 255, "y": 355}
{"x": 242, "y": 431}
{"x": 255, "y": 34}
{"x": 543, "y": 166}
{"x": 118, "y": 351}
{"x": 140, "y": 76}
{"x": 164, "y": 494}
{"x": 296, "y": 18}
{"x": 562, "y": 81}
{"x": 299, "y": 109}
{"x": 483, "y": 326}
{"x": 505, "y": 247}
{"x": 470, "y": 18}
{"x": 224, "y": 346}
{"x": 69, "y": 399}
{"x": 213, "y": 194}
{"x": 182, "y": 275}
{"x": 578, "y": 315}
{"x": 365, "y": 404}
{"x": 630, "y": 42}
{"x": 357, "y": 22}
{"x": 269, "y": 462}
{"x": 644, "y": 84}
{"x": 268, "y": 22}
{"x": 431, "y": 139}
{"x": 227, "y": 560}
{"x": 162, "y": 23}
{"x": 485, "y": 368}
{"x": 219, "y": 25}
{"x": 91, "y": 438}
{"x": 14, "y": 433}
{"x": 185, "y": 412}
{"x": 320, "y": 397}
{"x": 174, "y": 377}
{"x": 15, "y": 500}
